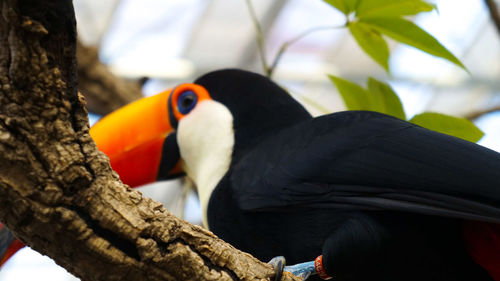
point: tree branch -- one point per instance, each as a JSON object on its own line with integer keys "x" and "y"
{"x": 294, "y": 40}
{"x": 476, "y": 114}
{"x": 269, "y": 69}
{"x": 57, "y": 191}
{"x": 260, "y": 38}
{"x": 103, "y": 91}
{"x": 494, "y": 13}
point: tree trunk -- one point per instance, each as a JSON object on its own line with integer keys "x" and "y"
{"x": 57, "y": 191}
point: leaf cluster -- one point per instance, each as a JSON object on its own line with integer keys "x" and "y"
{"x": 370, "y": 20}
{"x": 380, "y": 97}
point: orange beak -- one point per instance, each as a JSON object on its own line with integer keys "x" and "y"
{"x": 136, "y": 138}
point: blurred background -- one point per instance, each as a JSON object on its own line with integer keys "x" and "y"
{"x": 162, "y": 43}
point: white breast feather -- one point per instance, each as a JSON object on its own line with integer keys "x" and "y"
{"x": 206, "y": 141}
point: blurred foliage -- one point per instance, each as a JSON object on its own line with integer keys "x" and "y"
{"x": 380, "y": 97}
{"x": 455, "y": 126}
{"x": 369, "y": 21}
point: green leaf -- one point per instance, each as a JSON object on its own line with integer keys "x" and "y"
{"x": 352, "y": 4}
{"x": 392, "y": 8}
{"x": 409, "y": 33}
{"x": 455, "y": 126}
{"x": 339, "y": 5}
{"x": 355, "y": 97}
{"x": 371, "y": 41}
{"x": 345, "y": 6}
{"x": 385, "y": 100}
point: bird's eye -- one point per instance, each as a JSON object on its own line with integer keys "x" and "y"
{"x": 186, "y": 102}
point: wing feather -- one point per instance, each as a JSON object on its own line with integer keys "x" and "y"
{"x": 366, "y": 160}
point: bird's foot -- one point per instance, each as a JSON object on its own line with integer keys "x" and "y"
{"x": 303, "y": 270}
{"x": 278, "y": 264}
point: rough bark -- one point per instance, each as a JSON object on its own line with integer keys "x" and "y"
{"x": 58, "y": 193}
{"x": 494, "y": 13}
{"x": 103, "y": 91}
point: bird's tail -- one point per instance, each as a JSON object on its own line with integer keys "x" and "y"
{"x": 483, "y": 244}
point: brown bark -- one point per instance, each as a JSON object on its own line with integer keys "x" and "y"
{"x": 57, "y": 191}
{"x": 494, "y": 13}
{"x": 103, "y": 91}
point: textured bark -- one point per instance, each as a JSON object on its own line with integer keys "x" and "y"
{"x": 58, "y": 193}
{"x": 494, "y": 13}
{"x": 103, "y": 91}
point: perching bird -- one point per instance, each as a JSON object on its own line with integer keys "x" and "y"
{"x": 377, "y": 197}
{"x": 372, "y": 196}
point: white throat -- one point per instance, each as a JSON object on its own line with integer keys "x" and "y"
{"x": 206, "y": 141}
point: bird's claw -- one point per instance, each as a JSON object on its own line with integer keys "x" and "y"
{"x": 302, "y": 270}
{"x": 278, "y": 264}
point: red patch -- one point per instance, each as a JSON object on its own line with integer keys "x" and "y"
{"x": 483, "y": 244}
{"x": 13, "y": 248}
{"x": 320, "y": 269}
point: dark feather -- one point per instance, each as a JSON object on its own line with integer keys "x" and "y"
{"x": 369, "y": 161}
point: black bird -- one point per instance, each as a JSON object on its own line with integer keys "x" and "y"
{"x": 376, "y": 197}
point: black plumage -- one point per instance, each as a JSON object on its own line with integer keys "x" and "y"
{"x": 380, "y": 198}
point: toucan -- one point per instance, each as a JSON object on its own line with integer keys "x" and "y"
{"x": 364, "y": 195}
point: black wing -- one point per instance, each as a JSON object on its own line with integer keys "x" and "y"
{"x": 369, "y": 161}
